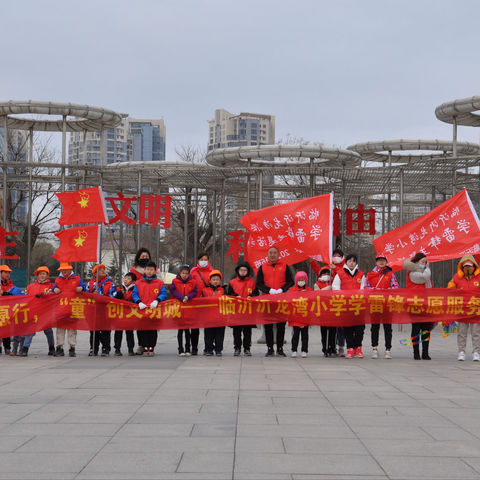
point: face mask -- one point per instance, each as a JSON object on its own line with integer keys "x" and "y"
{"x": 423, "y": 267}
{"x": 325, "y": 278}
{"x": 337, "y": 260}
{"x": 203, "y": 263}
{"x": 301, "y": 283}
{"x": 143, "y": 262}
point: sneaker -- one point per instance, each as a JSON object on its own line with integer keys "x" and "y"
{"x": 12, "y": 354}
{"x": 194, "y": 352}
{"x": 270, "y": 353}
{"x": 71, "y": 352}
{"x": 350, "y": 353}
{"x": 218, "y": 354}
{"x": 358, "y": 352}
{"x": 247, "y": 353}
{"x": 341, "y": 352}
{"x": 237, "y": 352}
{"x": 387, "y": 354}
{"x": 131, "y": 353}
{"x": 304, "y": 354}
{"x": 294, "y": 354}
{"x": 51, "y": 351}
{"x": 187, "y": 354}
{"x": 208, "y": 353}
{"x": 118, "y": 352}
{"x": 476, "y": 357}
{"x": 105, "y": 353}
{"x": 140, "y": 351}
{"x": 281, "y": 353}
{"x": 375, "y": 353}
{"x": 182, "y": 354}
{"x": 151, "y": 352}
{"x": 24, "y": 352}
{"x": 60, "y": 352}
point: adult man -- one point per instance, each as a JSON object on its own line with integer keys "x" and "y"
{"x": 274, "y": 277}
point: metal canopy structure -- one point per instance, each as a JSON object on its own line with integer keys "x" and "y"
{"x": 397, "y": 177}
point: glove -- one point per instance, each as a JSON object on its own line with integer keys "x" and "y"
{"x": 185, "y": 299}
{"x": 141, "y": 306}
{"x": 279, "y": 291}
{"x": 272, "y": 291}
{"x": 154, "y": 304}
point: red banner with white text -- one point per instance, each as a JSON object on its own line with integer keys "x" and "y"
{"x": 21, "y": 315}
{"x": 449, "y": 231}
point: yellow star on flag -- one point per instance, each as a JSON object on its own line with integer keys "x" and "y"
{"x": 83, "y": 201}
{"x": 82, "y": 236}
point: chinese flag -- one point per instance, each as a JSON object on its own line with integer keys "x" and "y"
{"x": 79, "y": 244}
{"x": 300, "y": 230}
{"x": 448, "y": 231}
{"x": 82, "y": 206}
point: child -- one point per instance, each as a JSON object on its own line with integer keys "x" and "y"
{"x": 104, "y": 287}
{"x": 124, "y": 292}
{"x": 43, "y": 286}
{"x": 17, "y": 345}
{"x": 382, "y": 277}
{"x": 184, "y": 289}
{"x": 351, "y": 278}
{"x": 243, "y": 285}
{"x": 67, "y": 282}
{"x": 329, "y": 344}
{"x": 214, "y": 335}
{"x": 148, "y": 292}
{"x": 8, "y": 288}
{"x": 301, "y": 279}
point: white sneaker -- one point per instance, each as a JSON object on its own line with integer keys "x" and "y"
{"x": 375, "y": 353}
{"x": 294, "y": 354}
{"x": 182, "y": 354}
{"x": 476, "y": 357}
{"x": 461, "y": 356}
{"x": 341, "y": 351}
{"x": 305, "y": 354}
{"x": 388, "y": 354}
{"x": 187, "y": 354}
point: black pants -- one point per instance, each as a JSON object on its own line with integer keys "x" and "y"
{"x": 194, "y": 335}
{"x": 354, "y": 335}
{"x": 6, "y": 343}
{"x": 101, "y": 336}
{"x": 387, "y": 331}
{"x": 180, "y": 334}
{"x": 329, "y": 344}
{"x": 147, "y": 338}
{"x": 247, "y": 337}
{"x": 280, "y": 335}
{"x": 214, "y": 339}
{"x": 296, "y": 335}
{"x": 416, "y": 327}
{"x": 117, "y": 339}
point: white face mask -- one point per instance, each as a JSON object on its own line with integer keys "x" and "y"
{"x": 301, "y": 283}
{"x": 203, "y": 263}
{"x": 324, "y": 278}
{"x": 337, "y": 260}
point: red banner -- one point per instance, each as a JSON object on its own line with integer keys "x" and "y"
{"x": 20, "y": 315}
{"x": 300, "y": 230}
{"x": 82, "y": 206}
{"x": 449, "y": 231}
{"x": 78, "y": 244}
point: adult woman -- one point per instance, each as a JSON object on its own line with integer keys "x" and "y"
{"x": 419, "y": 278}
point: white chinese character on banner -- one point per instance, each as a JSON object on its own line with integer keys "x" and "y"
{"x": 449, "y": 235}
{"x": 443, "y": 218}
{"x": 261, "y": 242}
{"x": 300, "y": 215}
{"x": 281, "y": 237}
{"x": 267, "y": 224}
{"x": 435, "y": 241}
{"x": 433, "y": 224}
{"x": 288, "y": 218}
{"x": 316, "y": 232}
{"x": 424, "y": 251}
{"x": 271, "y": 241}
{"x": 300, "y": 235}
{"x": 463, "y": 226}
{"x": 255, "y": 228}
{"x": 400, "y": 244}
{"x": 314, "y": 214}
{"x": 423, "y": 232}
{"x": 290, "y": 232}
{"x": 277, "y": 223}
{"x": 389, "y": 248}
{"x": 455, "y": 212}
{"x": 413, "y": 238}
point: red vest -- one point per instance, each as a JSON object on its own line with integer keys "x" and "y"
{"x": 201, "y": 276}
{"x": 462, "y": 282}
{"x": 274, "y": 275}
{"x": 184, "y": 287}
{"x": 379, "y": 280}
{"x": 347, "y": 282}
{"x": 295, "y": 288}
{"x": 410, "y": 284}
{"x": 68, "y": 285}
{"x": 7, "y": 285}
{"x": 210, "y": 292}
{"x": 106, "y": 286}
{"x": 148, "y": 291}
{"x": 321, "y": 285}
{"x": 37, "y": 288}
{"x": 243, "y": 288}
{"x": 127, "y": 293}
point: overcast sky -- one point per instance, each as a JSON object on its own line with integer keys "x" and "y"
{"x": 336, "y": 71}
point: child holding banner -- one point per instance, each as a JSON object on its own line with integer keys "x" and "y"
{"x": 467, "y": 277}
{"x": 301, "y": 279}
{"x": 214, "y": 336}
{"x": 8, "y": 288}
{"x": 419, "y": 278}
{"x": 124, "y": 292}
{"x": 329, "y": 334}
{"x": 351, "y": 278}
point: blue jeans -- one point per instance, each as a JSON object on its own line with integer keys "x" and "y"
{"x": 48, "y": 333}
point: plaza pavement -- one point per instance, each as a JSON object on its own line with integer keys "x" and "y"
{"x": 171, "y": 417}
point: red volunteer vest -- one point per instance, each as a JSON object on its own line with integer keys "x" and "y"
{"x": 462, "y": 282}
{"x": 106, "y": 286}
{"x": 184, "y": 287}
{"x": 68, "y": 285}
{"x": 148, "y": 291}
{"x": 210, "y": 292}
{"x": 348, "y": 282}
{"x": 379, "y": 280}
{"x": 296, "y": 288}
{"x": 37, "y": 288}
{"x": 274, "y": 275}
{"x": 410, "y": 284}
{"x": 321, "y": 285}
{"x": 243, "y": 288}
{"x": 7, "y": 285}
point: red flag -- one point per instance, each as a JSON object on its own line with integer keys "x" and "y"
{"x": 299, "y": 229}
{"x": 79, "y": 244}
{"x": 82, "y": 206}
{"x": 449, "y": 231}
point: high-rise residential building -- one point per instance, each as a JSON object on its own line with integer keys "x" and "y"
{"x": 232, "y": 130}
{"x": 146, "y": 140}
{"x": 133, "y": 140}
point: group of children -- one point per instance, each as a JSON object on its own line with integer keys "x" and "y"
{"x": 142, "y": 286}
